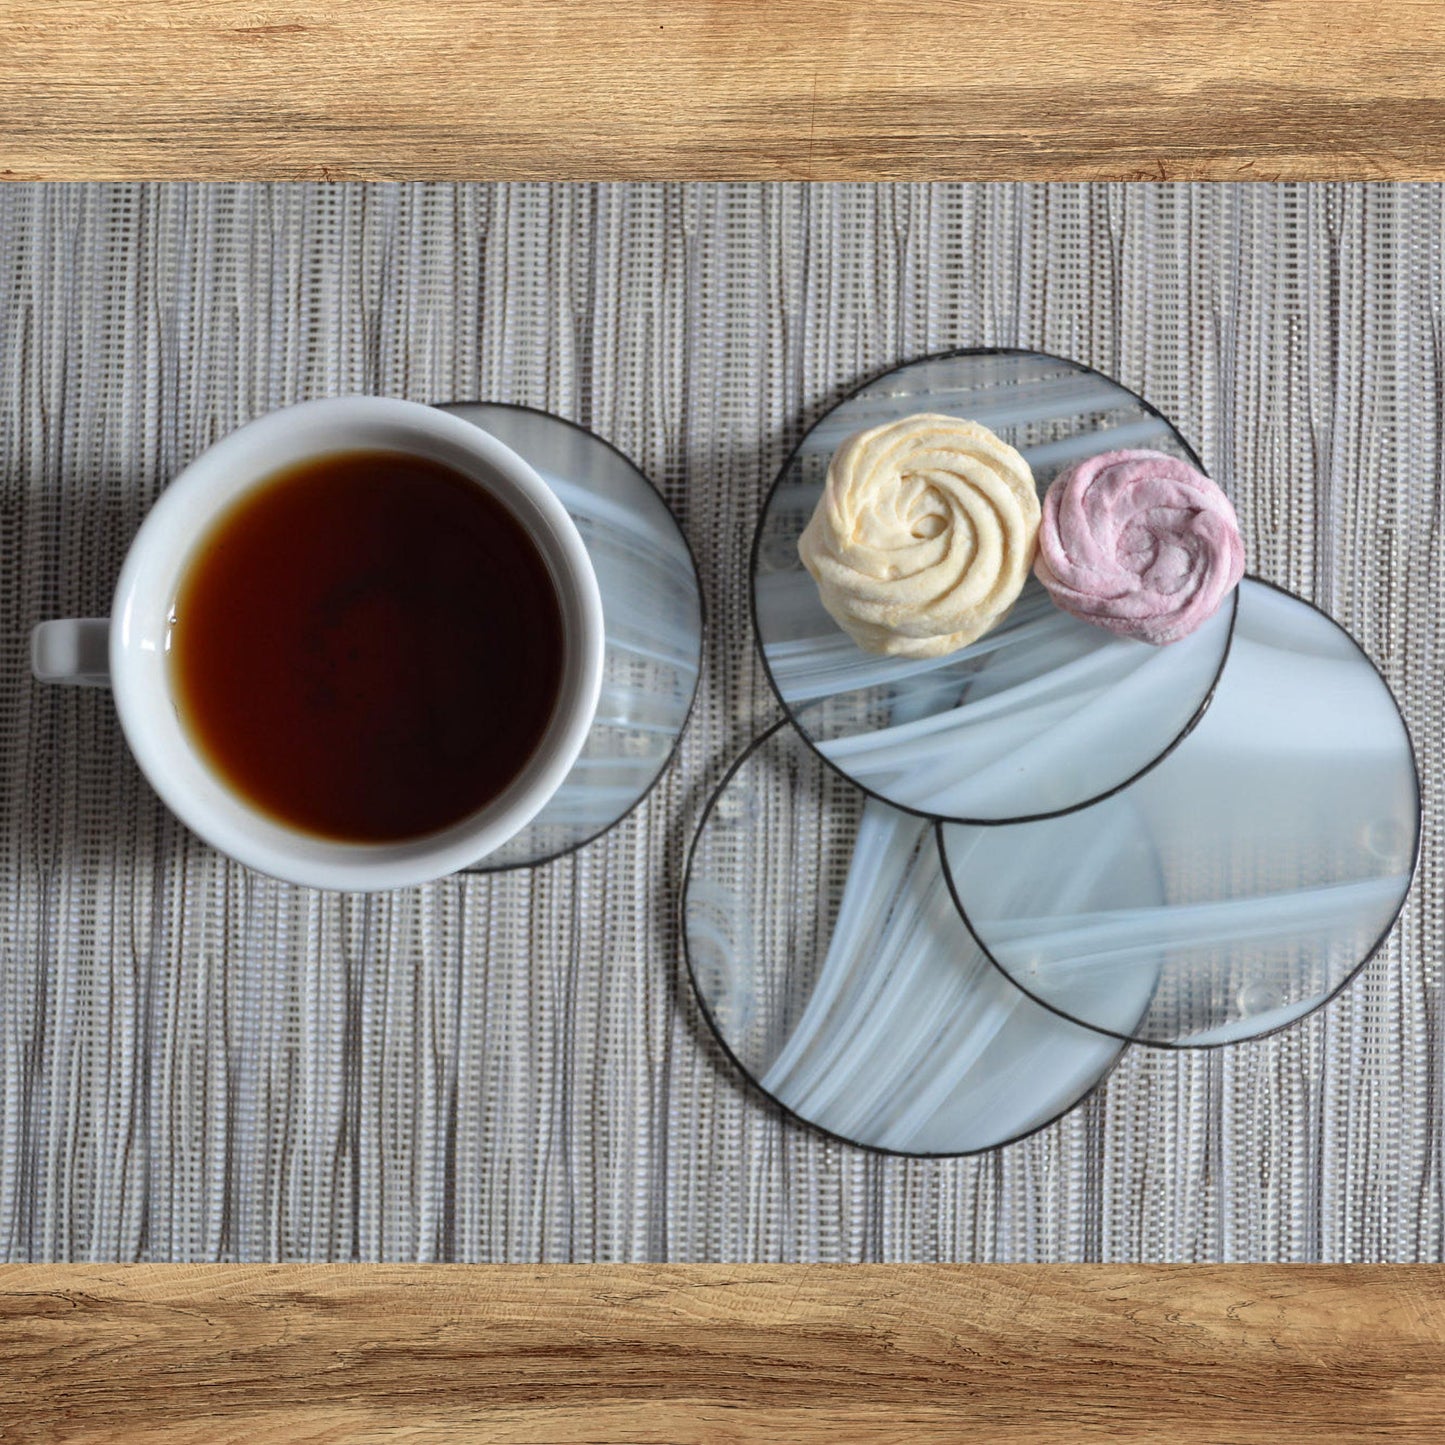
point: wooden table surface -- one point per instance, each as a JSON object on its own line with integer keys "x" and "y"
{"x": 708, "y": 1353}
{"x": 561, "y": 89}
{"x": 826, "y": 89}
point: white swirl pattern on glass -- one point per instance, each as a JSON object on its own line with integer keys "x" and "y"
{"x": 1041, "y": 714}
{"x": 1246, "y": 878}
{"x": 652, "y": 612}
{"x": 832, "y": 963}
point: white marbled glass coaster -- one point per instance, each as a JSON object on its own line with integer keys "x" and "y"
{"x": 1044, "y": 713}
{"x": 652, "y": 611}
{"x": 832, "y": 964}
{"x": 1242, "y": 882}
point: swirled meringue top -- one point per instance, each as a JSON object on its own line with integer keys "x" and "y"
{"x": 923, "y": 536}
{"x": 1140, "y": 543}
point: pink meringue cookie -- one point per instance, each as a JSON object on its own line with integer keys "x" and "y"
{"x": 1140, "y": 543}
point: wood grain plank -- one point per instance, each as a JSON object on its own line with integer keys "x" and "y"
{"x": 829, "y": 89}
{"x": 182, "y": 1353}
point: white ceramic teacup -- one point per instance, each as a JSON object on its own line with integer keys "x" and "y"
{"x": 128, "y": 650}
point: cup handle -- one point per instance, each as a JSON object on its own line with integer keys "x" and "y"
{"x": 74, "y": 650}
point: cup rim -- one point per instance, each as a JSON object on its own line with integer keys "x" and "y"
{"x": 161, "y": 552}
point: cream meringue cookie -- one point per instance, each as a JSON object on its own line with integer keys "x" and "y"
{"x": 1140, "y": 543}
{"x": 923, "y": 536}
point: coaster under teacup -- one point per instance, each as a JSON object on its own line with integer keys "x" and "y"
{"x": 652, "y": 610}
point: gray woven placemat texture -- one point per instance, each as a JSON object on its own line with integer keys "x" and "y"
{"x": 197, "y": 1063}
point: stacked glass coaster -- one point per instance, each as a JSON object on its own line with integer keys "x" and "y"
{"x": 928, "y": 910}
{"x": 652, "y": 615}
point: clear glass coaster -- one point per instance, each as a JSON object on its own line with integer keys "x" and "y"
{"x": 1044, "y": 713}
{"x": 652, "y": 611}
{"x": 1242, "y": 882}
{"x": 832, "y": 964}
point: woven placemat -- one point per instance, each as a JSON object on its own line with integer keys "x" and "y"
{"x": 197, "y": 1063}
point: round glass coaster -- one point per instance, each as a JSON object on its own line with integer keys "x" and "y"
{"x": 1042, "y": 714}
{"x": 1242, "y": 882}
{"x": 832, "y": 964}
{"x": 652, "y": 613}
